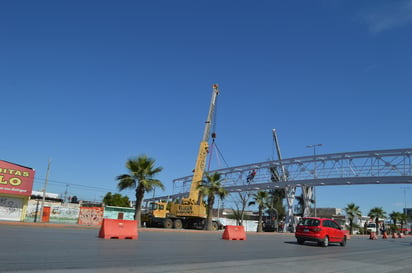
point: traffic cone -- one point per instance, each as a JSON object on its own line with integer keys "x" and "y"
{"x": 384, "y": 236}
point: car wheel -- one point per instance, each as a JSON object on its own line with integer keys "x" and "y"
{"x": 300, "y": 241}
{"x": 343, "y": 243}
{"x": 325, "y": 242}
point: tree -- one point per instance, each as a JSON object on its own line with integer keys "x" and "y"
{"x": 275, "y": 202}
{"x": 141, "y": 175}
{"x": 211, "y": 187}
{"x": 377, "y": 213}
{"x": 404, "y": 219}
{"x": 260, "y": 199}
{"x": 116, "y": 200}
{"x": 352, "y": 211}
{"x": 74, "y": 199}
{"x": 240, "y": 204}
{"x": 395, "y": 216}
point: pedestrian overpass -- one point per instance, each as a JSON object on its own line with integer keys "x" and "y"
{"x": 349, "y": 168}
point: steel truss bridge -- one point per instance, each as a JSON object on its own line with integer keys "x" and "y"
{"x": 349, "y": 168}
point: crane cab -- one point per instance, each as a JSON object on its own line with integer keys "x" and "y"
{"x": 158, "y": 209}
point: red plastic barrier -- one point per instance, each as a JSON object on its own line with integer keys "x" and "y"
{"x": 395, "y": 235}
{"x": 385, "y": 235}
{"x": 118, "y": 229}
{"x": 401, "y": 235}
{"x": 373, "y": 236}
{"x": 234, "y": 233}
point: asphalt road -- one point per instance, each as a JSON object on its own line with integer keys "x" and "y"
{"x": 66, "y": 249}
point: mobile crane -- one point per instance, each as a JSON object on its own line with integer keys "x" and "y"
{"x": 189, "y": 212}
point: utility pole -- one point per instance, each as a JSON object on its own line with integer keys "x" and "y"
{"x": 404, "y": 196}
{"x": 44, "y": 190}
{"x": 65, "y": 194}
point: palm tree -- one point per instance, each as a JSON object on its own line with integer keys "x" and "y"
{"x": 275, "y": 207}
{"x": 275, "y": 199}
{"x": 260, "y": 199}
{"x": 376, "y": 213}
{"x": 404, "y": 219}
{"x": 211, "y": 187}
{"x": 141, "y": 178}
{"x": 352, "y": 211}
{"x": 395, "y": 216}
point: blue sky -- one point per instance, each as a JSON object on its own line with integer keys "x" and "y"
{"x": 89, "y": 84}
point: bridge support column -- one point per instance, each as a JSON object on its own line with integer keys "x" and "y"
{"x": 290, "y": 220}
{"x": 307, "y": 192}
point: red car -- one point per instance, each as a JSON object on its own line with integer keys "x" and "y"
{"x": 320, "y": 230}
{"x": 405, "y": 231}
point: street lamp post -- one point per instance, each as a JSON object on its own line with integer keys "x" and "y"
{"x": 314, "y": 171}
{"x": 404, "y": 196}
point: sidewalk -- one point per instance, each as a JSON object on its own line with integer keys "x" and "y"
{"x": 47, "y": 225}
{"x": 77, "y": 226}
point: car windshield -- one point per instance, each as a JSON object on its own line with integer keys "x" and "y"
{"x": 310, "y": 222}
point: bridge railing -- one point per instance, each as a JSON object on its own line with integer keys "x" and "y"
{"x": 324, "y": 169}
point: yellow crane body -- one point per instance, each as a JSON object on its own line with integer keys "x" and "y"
{"x": 190, "y": 212}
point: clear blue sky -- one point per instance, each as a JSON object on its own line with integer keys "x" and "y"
{"x": 89, "y": 84}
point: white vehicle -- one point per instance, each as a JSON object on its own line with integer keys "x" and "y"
{"x": 371, "y": 227}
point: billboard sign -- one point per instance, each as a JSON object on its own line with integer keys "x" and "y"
{"x": 15, "y": 179}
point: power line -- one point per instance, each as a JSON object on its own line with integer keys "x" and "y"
{"x": 74, "y": 185}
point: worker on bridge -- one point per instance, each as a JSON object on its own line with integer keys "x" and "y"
{"x": 251, "y": 175}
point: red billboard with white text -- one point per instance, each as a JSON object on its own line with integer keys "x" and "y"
{"x": 15, "y": 179}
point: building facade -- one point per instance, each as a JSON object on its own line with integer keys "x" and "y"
{"x": 16, "y": 183}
